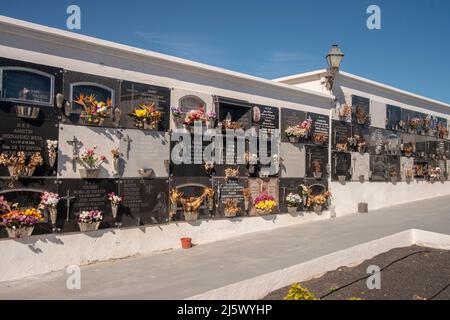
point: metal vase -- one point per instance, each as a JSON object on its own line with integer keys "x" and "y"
{"x": 86, "y": 173}
{"x": 114, "y": 210}
{"x": 85, "y": 227}
{"x": 53, "y": 214}
{"x": 22, "y": 232}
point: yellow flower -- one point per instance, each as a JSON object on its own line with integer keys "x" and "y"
{"x": 140, "y": 113}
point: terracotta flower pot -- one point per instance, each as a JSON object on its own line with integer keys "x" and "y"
{"x": 186, "y": 243}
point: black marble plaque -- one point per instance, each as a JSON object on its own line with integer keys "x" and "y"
{"x": 29, "y": 85}
{"x": 20, "y": 135}
{"x": 232, "y": 189}
{"x": 76, "y": 83}
{"x": 393, "y": 142}
{"x": 341, "y": 131}
{"x": 287, "y": 186}
{"x": 195, "y": 168}
{"x": 320, "y": 126}
{"x": 363, "y": 133}
{"x": 361, "y": 110}
{"x": 266, "y": 117}
{"x": 290, "y": 117}
{"x": 421, "y": 168}
{"x": 421, "y": 146}
{"x": 377, "y": 141}
{"x": 191, "y": 187}
{"x": 133, "y": 94}
{"x": 378, "y": 168}
{"x": 393, "y": 117}
{"x": 316, "y": 162}
{"x": 240, "y": 113}
{"x": 341, "y": 164}
{"x": 144, "y": 201}
{"x": 27, "y": 194}
{"x": 88, "y": 195}
{"x": 393, "y": 166}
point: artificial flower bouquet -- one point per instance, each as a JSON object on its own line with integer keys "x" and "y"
{"x": 20, "y": 223}
{"x": 114, "y": 199}
{"x": 18, "y": 166}
{"x": 195, "y": 116}
{"x": 52, "y": 147}
{"x": 344, "y": 111}
{"x": 146, "y": 115}
{"x": 293, "y": 200}
{"x": 265, "y": 203}
{"x": 91, "y": 163}
{"x": 435, "y": 174}
{"x": 94, "y": 111}
{"x": 415, "y": 123}
{"x": 49, "y": 201}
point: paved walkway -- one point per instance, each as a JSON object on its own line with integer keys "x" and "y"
{"x": 183, "y": 273}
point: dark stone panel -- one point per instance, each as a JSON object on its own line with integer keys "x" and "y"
{"x": 144, "y": 201}
{"x": 393, "y": 167}
{"x": 320, "y": 126}
{"x": 316, "y": 157}
{"x": 393, "y": 141}
{"x": 27, "y": 194}
{"x": 377, "y": 141}
{"x": 290, "y": 117}
{"x": 88, "y": 195}
{"x": 341, "y": 131}
{"x": 191, "y": 187}
{"x": 30, "y": 137}
{"x": 363, "y": 133}
{"x": 236, "y": 113}
{"x": 361, "y": 110}
{"x": 133, "y": 94}
{"x": 87, "y": 84}
{"x": 393, "y": 118}
{"x": 36, "y": 86}
{"x": 266, "y": 117}
{"x": 378, "y": 168}
{"x": 341, "y": 163}
{"x": 232, "y": 189}
{"x": 287, "y": 186}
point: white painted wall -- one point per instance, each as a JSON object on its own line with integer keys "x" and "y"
{"x": 46, "y": 253}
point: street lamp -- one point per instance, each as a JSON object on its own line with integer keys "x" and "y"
{"x": 334, "y": 59}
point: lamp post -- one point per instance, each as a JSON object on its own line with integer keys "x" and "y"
{"x": 334, "y": 59}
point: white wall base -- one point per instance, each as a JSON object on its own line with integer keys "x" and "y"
{"x": 383, "y": 194}
{"x": 46, "y": 253}
{"x": 261, "y": 286}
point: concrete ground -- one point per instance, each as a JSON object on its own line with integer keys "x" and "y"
{"x": 181, "y": 274}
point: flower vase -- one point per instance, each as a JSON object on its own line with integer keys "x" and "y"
{"x": 292, "y": 210}
{"x": 53, "y": 214}
{"x": 318, "y": 209}
{"x": 263, "y": 212}
{"x": 13, "y": 171}
{"x": 85, "y": 226}
{"x": 293, "y": 139}
{"x": 246, "y": 205}
{"x": 29, "y": 171}
{"x": 342, "y": 179}
{"x": 190, "y": 216}
{"x": 114, "y": 210}
{"x": 52, "y": 159}
{"x": 21, "y": 232}
{"x": 87, "y": 173}
{"x": 115, "y": 165}
{"x": 251, "y": 169}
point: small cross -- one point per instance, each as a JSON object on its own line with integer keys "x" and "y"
{"x": 76, "y": 144}
{"x": 68, "y": 199}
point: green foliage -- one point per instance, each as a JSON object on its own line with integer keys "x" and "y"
{"x": 297, "y": 292}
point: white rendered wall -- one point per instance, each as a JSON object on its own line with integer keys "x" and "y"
{"x": 51, "y": 252}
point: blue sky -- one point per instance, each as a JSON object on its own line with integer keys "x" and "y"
{"x": 275, "y": 38}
